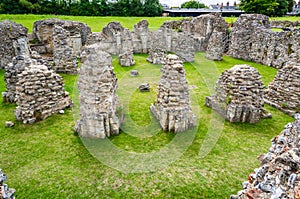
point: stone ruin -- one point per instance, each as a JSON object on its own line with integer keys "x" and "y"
{"x": 216, "y": 46}
{"x": 140, "y": 37}
{"x": 59, "y": 41}
{"x": 253, "y": 40}
{"x": 13, "y": 41}
{"x": 39, "y": 94}
{"x": 184, "y": 39}
{"x": 126, "y": 59}
{"x": 239, "y": 95}
{"x": 172, "y": 107}
{"x": 284, "y": 91}
{"x": 279, "y": 172}
{"x": 157, "y": 56}
{"x": 97, "y": 84}
{"x": 5, "y": 192}
{"x": 12, "y": 70}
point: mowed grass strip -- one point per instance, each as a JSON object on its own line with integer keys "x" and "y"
{"x": 47, "y": 160}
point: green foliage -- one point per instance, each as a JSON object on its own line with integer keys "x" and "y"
{"x": 192, "y": 4}
{"x": 267, "y": 7}
{"x": 82, "y": 7}
{"x": 152, "y": 8}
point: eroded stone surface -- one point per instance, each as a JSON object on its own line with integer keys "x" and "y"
{"x": 39, "y": 94}
{"x": 157, "y": 56}
{"x": 13, "y": 41}
{"x": 239, "y": 95}
{"x": 252, "y": 40}
{"x": 172, "y": 107}
{"x": 216, "y": 46}
{"x": 278, "y": 175}
{"x": 284, "y": 91}
{"x": 126, "y": 59}
{"x": 97, "y": 85}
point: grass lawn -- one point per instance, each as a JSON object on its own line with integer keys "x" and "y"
{"x": 97, "y": 23}
{"x": 46, "y": 160}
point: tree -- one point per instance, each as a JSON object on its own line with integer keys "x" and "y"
{"x": 267, "y": 7}
{"x": 152, "y": 8}
{"x": 192, "y": 4}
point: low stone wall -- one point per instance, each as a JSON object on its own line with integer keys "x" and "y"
{"x": 172, "y": 107}
{"x": 252, "y": 40}
{"x": 239, "y": 95}
{"x": 39, "y": 94}
{"x": 278, "y": 174}
{"x": 97, "y": 84}
{"x": 284, "y": 91}
{"x": 13, "y": 41}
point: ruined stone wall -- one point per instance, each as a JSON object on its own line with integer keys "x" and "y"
{"x": 278, "y": 175}
{"x": 43, "y": 33}
{"x": 172, "y": 107}
{"x": 252, "y": 40}
{"x": 67, "y": 45}
{"x": 39, "y": 94}
{"x": 97, "y": 86}
{"x": 16, "y": 67}
{"x": 13, "y": 41}
{"x": 140, "y": 37}
{"x": 284, "y": 91}
{"x": 12, "y": 70}
{"x": 183, "y": 37}
{"x": 157, "y": 56}
{"x": 239, "y": 95}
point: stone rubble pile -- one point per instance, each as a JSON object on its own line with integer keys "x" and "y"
{"x": 239, "y": 95}
{"x": 253, "y": 40}
{"x": 13, "y": 41}
{"x": 284, "y": 91}
{"x": 157, "y": 56}
{"x": 5, "y": 192}
{"x": 172, "y": 107}
{"x": 39, "y": 94}
{"x": 97, "y": 85}
{"x": 126, "y": 59}
{"x": 279, "y": 173}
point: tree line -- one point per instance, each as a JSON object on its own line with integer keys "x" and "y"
{"x": 267, "y": 7}
{"x": 83, "y": 7}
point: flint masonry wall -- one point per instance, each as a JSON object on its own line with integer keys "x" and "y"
{"x": 284, "y": 91}
{"x": 59, "y": 41}
{"x": 278, "y": 174}
{"x": 172, "y": 107}
{"x": 97, "y": 85}
{"x": 39, "y": 94}
{"x": 239, "y": 95}
{"x": 192, "y": 36}
{"x": 13, "y": 41}
{"x": 252, "y": 40}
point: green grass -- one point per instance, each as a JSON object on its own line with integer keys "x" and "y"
{"x": 46, "y": 160}
{"x": 95, "y": 23}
